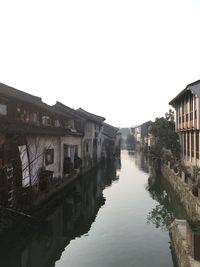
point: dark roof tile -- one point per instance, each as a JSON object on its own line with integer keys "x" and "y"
{"x": 90, "y": 116}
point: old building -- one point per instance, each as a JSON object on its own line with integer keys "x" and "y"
{"x": 92, "y": 139}
{"x": 140, "y": 134}
{"x": 187, "y": 106}
{"x": 111, "y": 142}
{"x": 71, "y": 146}
{"x": 31, "y": 134}
{"x": 42, "y": 146}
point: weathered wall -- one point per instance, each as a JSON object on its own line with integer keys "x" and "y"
{"x": 189, "y": 201}
{"x": 37, "y": 146}
{"x": 179, "y": 244}
{"x": 70, "y": 141}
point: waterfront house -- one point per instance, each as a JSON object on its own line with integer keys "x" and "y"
{"x": 30, "y": 142}
{"x": 187, "y": 104}
{"x": 41, "y": 146}
{"x": 136, "y": 132}
{"x": 140, "y": 134}
{"x": 71, "y": 146}
{"x": 111, "y": 141}
{"x": 92, "y": 139}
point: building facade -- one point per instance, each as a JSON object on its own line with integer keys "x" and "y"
{"x": 111, "y": 142}
{"x": 41, "y": 146}
{"x": 32, "y": 135}
{"x": 92, "y": 139}
{"x": 187, "y": 104}
{"x": 140, "y": 134}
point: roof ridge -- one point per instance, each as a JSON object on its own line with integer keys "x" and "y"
{"x": 20, "y": 91}
{"x": 90, "y": 114}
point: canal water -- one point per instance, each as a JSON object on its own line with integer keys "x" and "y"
{"x": 113, "y": 217}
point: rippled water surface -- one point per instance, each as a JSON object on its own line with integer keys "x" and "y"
{"x": 115, "y": 216}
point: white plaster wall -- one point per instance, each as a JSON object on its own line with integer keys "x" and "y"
{"x": 89, "y": 135}
{"x": 70, "y": 141}
{"x": 37, "y": 146}
{"x": 89, "y": 130}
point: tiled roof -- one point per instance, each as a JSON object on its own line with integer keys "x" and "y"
{"x": 110, "y": 130}
{"x": 12, "y": 93}
{"x": 17, "y": 94}
{"x": 8, "y": 91}
{"x": 67, "y": 111}
{"x": 90, "y": 116}
{"x": 193, "y": 87}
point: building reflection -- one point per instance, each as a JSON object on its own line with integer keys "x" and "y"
{"x": 142, "y": 161}
{"x": 65, "y": 219}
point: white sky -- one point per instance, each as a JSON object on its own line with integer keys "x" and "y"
{"x": 124, "y": 60}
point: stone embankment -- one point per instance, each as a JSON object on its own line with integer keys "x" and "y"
{"x": 179, "y": 233}
{"x": 183, "y": 190}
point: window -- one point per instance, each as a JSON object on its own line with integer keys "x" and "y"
{"x": 192, "y": 143}
{"x": 191, "y": 108}
{"x": 23, "y": 113}
{"x": 188, "y": 144}
{"x": 184, "y": 140}
{"x": 34, "y": 118}
{"x": 49, "y": 156}
{"x": 197, "y": 145}
{"x": 3, "y": 107}
{"x": 195, "y": 108}
{"x": 46, "y": 120}
{"x": 71, "y": 124}
{"x": 57, "y": 123}
{"x": 76, "y": 149}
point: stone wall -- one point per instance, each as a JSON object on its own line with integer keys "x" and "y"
{"x": 179, "y": 244}
{"x": 189, "y": 201}
{"x": 178, "y": 232}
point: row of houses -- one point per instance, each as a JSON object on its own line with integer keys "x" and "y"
{"x": 42, "y": 144}
{"x": 187, "y": 125}
{"x": 142, "y": 137}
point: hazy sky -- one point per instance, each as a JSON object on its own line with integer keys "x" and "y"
{"x": 124, "y": 60}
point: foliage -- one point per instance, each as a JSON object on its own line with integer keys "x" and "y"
{"x": 195, "y": 171}
{"x": 161, "y": 215}
{"x": 163, "y": 129}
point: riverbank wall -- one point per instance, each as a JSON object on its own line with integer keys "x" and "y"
{"x": 178, "y": 229}
{"x": 190, "y": 203}
{"x": 178, "y": 234}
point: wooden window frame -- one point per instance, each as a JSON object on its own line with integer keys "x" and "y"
{"x": 49, "y": 153}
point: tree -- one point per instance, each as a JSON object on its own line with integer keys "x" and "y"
{"x": 170, "y": 115}
{"x": 163, "y": 129}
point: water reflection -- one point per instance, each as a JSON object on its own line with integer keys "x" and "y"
{"x": 161, "y": 215}
{"x": 65, "y": 219}
{"x": 168, "y": 206}
{"x": 142, "y": 161}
